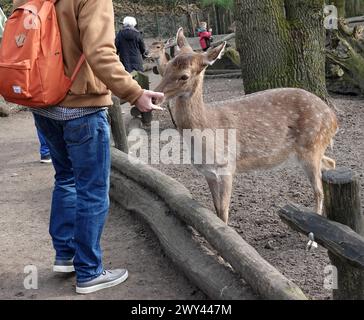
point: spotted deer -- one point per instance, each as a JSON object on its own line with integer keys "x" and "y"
{"x": 271, "y": 126}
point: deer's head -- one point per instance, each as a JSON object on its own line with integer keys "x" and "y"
{"x": 184, "y": 74}
{"x": 158, "y": 49}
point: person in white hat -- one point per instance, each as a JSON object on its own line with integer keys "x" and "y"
{"x": 130, "y": 45}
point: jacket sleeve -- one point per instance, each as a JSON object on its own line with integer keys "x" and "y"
{"x": 97, "y": 34}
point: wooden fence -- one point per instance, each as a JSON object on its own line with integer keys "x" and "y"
{"x": 341, "y": 233}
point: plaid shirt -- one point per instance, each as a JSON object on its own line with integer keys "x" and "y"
{"x": 64, "y": 114}
{"x": 2, "y": 22}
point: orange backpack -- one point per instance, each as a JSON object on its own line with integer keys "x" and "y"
{"x": 31, "y": 59}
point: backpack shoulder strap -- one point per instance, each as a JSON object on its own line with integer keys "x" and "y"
{"x": 78, "y": 67}
{"x": 80, "y": 61}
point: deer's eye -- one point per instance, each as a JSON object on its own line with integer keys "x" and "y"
{"x": 158, "y": 47}
{"x": 184, "y": 77}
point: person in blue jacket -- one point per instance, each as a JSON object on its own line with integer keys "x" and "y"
{"x": 130, "y": 45}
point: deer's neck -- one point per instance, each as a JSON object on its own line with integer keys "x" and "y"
{"x": 190, "y": 110}
{"x": 161, "y": 62}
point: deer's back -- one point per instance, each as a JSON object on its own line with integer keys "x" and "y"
{"x": 270, "y": 125}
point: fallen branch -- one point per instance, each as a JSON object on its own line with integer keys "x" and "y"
{"x": 346, "y": 49}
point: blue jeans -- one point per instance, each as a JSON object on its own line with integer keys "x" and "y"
{"x": 43, "y": 150}
{"x": 80, "y": 153}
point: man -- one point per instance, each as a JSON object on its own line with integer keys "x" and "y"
{"x": 130, "y": 45}
{"x": 2, "y": 23}
{"x": 77, "y": 133}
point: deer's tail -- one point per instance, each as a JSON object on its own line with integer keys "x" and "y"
{"x": 327, "y": 163}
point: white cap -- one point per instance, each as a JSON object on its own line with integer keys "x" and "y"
{"x": 129, "y": 21}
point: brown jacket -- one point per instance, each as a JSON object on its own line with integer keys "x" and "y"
{"x": 88, "y": 26}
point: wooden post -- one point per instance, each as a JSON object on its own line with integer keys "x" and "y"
{"x": 342, "y": 204}
{"x": 118, "y": 126}
{"x": 143, "y": 80}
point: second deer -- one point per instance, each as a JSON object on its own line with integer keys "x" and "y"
{"x": 157, "y": 52}
{"x": 271, "y": 126}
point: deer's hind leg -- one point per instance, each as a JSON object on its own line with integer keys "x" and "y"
{"x": 311, "y": 163}
{"x": 220, "y": 187}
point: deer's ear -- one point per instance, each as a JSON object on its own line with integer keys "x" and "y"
{"x": 182, "y": 42}
{"x": 214, "y": 54}
{"x": 168, "y": 43}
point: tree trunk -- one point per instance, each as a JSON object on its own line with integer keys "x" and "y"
{"x": 216, "y": 20}
{"x": 354, "y": 8}
{"x": 341, "y": 7}
{"x": 281, "y": 44}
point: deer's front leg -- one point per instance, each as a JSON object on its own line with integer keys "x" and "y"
{"x": 220, "y": 187}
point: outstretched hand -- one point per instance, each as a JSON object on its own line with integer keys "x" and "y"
{"x": 148, "y": 101}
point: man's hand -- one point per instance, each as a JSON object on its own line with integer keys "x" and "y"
{"x": 148, "y": 100}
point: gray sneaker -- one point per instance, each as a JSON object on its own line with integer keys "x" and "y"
{"x": 107, "y": 279}
{"x": 64, "y": 266}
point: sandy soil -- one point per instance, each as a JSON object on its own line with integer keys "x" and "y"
{"x": 25, "y": 191}
{"x": 258, "y": 196}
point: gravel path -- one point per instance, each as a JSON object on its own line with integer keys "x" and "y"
{"x": 25, "y": 193}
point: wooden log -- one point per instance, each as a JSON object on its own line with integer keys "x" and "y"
{"x": 335, "y": 237}
{"x": 235, "y": 75}
{"x": 118, "y": 126}
{"x": 266, "y": 280}
{"x": 220, "y": 71}
{"x": 195, "y": 41}
{"x": 199, "y": 264}
{"x": 355, "y": 20}
{"x": 226, "y": 38}
{"x": 342, "y": 204}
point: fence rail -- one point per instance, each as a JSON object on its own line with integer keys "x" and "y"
{"x": 342, "y": 232}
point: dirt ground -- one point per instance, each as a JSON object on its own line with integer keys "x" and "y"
{"x": 258, "y": 196}
{"x": 25, "y": 191}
